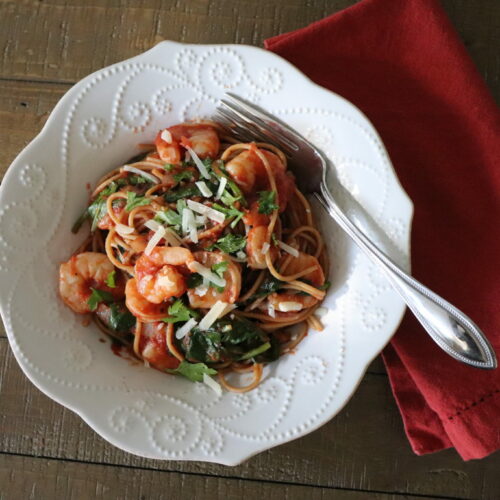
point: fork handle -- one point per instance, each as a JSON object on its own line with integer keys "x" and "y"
{"x": 451, "y": 329}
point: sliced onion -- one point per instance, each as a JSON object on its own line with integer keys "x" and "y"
{"x": 146, "y": 175}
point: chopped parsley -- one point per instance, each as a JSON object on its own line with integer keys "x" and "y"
{"x": 178, "y": 312}
{"x": 193, "y": 371}
{"x": 229, "y": 213}
{"x": 231, "y": 243}
{"x": 168, "y": 167}
{"x": 133, "y": 201}
{"x": 137, "y": 179}
{"x": 220, "y": 268}
{"x": 110, "y": 280}
{"x": 97, "y": 297}
{"x": 170, "y": 217}
{"x": 267, "y": 202}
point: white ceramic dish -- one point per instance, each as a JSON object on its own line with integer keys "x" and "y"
{"x": 97, "y": 125}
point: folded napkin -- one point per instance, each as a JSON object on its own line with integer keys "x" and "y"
{"x": 402, "y": 64}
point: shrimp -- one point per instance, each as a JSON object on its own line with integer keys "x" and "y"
{"x": 232, "y": 275}
{"x": 284, "y": 300}
{"x": 153, "y": 347}
{"x": 140, "y": 307}
{"x": 157, "y": 276}
{"x": 257, "y": 237}
{"x": 203, "y": 139}
{"x": 249, "y": 172}
{"x": 81, "y": 273}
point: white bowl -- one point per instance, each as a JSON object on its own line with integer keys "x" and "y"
{"x": 96, "y": 126}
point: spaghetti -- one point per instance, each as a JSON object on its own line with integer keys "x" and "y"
{"x": 202, "y": 256}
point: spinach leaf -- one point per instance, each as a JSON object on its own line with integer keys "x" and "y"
{"x": 268, "y": 286}
{"x": 183, "y": 175}
{"x": 121, "y": 318}
{"x": 188, "y": 191}
{"x": 194, "y": 280}
{"x": 193, "y": 371}
{"x": 203, "y": 346}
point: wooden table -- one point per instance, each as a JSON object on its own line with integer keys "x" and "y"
{"x": 48, "y": 452}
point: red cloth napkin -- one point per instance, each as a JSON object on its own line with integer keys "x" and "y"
{"x": 402, "y": 64}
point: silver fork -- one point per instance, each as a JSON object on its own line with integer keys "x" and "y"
{"x": 451, "y": 329}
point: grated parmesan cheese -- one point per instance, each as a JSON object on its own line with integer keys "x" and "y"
{"x": 122, "y": 229}
{"x": 207, "y": 380}
{"x": 271, "y": 311}
{"x": 211, "y": 213}
{"x": 152, "y": 178}
{"x": 185, "y": 329}
{"x": 212, "y": 315}
{"x": 172, "y": 238}
{"x": 204, "y": 189}
{"x": 289, "y": 306}
{"x": 199, "y": 164}
{"x": 159, "y": 234}
{"x": 166, "y": 135}
{"x": 288, "y": 249}
{"x": 221, "y": 188}
{"x": 207, "y": 274}
{"x": 321, "y": 311}
{"x": 265, "y": 248}
{"x": 201, "y": 290}
{"x": 152, "y": 224}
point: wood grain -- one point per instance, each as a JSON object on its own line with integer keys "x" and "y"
{"x": 38, "y": 478}
{"x": 363, "y": 448}
{"x": 64, "y": 40}
{"x": 47, "y": 45}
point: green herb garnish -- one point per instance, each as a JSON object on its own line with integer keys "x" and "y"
{"x": 178, "y": 312}
{"x": 231, "y": 243}
{"x": 193, "y": 371}
{"x": 267, "y": 202}
{"x": 168, "y": 167}
{"x": 110, "y": 280}
{"x": 97, "y": 297}
{"x": 184, "y": 175}
{"x": 255, "y": 352}
{"x": 133, "y": 201}
{"x": 121, "y": 319}
{"x": 230, "y": 212}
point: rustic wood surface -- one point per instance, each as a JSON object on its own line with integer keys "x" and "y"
{"x": 47, "y": 451}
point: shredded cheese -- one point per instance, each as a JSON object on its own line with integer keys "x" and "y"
{"x": 271, "y": 311}
{"x": 199, "y": 164}
{"x": 201, "y": 219}
{"x": 241, "y": 255}
{"x": 122, "y": 229}
{"x": 185, "y": 329}
{"x": 227, "y": 309}
{"x": 207, "y": 274}
{"x": 288, "y": 249}
{"x": 221, "y": 188}
{"x": 172, "y": 237}
{"x": 321, "y": 311}
{"x": 152, "y": 178}
{"x": 207, "y": 380}
{"x": 265, "y": 248}
{"x": 212, "y": 315}
{"x": 201, "y": 290}
{"x": 211, "y": 213}
{"x": 289, "y": 306}
{"x": 152, "y": 224}
{"x": 166, "y": 135}
{"x": 204, "y": 189}
{"x": 159, "y": 234}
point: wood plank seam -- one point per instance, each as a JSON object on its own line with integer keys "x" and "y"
{"x": 235, "y": 478}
